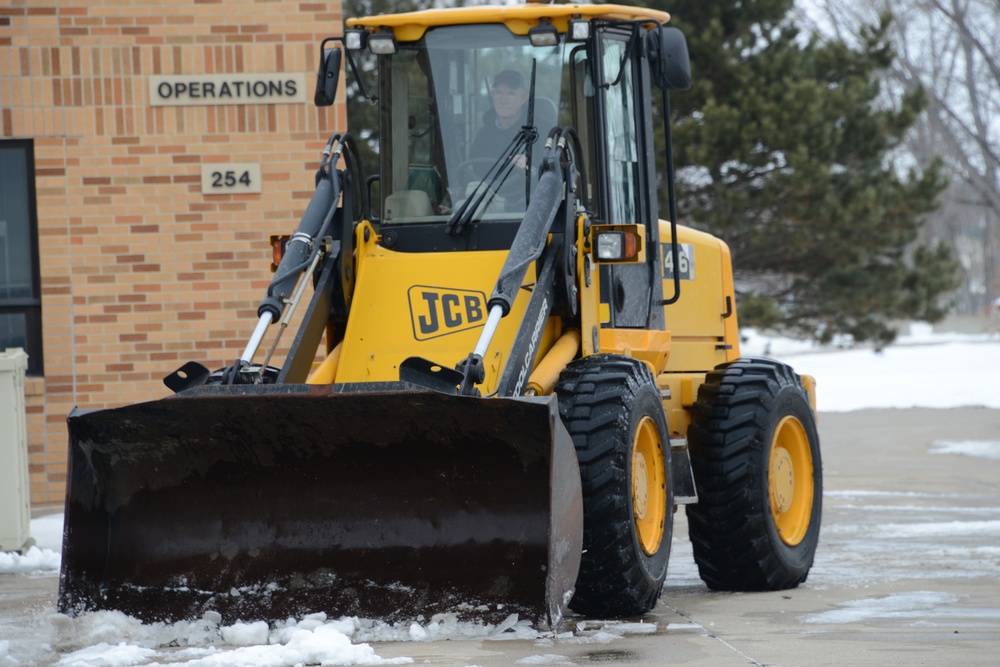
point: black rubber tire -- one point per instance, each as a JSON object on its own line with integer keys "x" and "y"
{"x": 736, "y": 542}
{"x": 602, "y": 401}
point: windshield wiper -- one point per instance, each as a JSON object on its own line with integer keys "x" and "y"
{"x": 501, "y": 169}
{"x": 493, "y": 179}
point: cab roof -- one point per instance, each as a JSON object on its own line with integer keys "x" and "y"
{"x": 411, "y": 26}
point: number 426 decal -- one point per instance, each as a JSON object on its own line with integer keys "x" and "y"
{"x": 685, "y": 257}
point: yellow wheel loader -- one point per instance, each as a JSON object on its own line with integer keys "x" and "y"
{"x": 509, "y": 374}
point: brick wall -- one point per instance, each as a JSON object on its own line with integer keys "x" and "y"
{"x": 140, "y": 270}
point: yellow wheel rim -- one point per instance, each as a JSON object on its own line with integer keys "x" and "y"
{"x": 790, "y": 480}
{"x": 649, "y": 486}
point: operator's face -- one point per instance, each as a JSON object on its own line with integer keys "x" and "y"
{"x": 507, "y": 102}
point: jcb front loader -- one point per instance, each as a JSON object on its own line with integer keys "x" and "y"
{"x": 509, "y": 374}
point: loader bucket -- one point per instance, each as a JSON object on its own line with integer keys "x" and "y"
{"x": 273, "y": 501}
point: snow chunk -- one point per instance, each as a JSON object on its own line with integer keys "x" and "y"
{"x": 417, "y": 633}
{"x": 615, "y": 628}
{"x": 246, "y": 634}
{"x": 640, "y": 628}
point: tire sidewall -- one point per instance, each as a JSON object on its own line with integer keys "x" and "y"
{"x": 791, "y": 401}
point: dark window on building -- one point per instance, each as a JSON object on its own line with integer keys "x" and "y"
{"x": 20, "y": 282}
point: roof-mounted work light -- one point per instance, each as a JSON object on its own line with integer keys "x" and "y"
{"x": 382, "y": 43}
{"x": 544, "y": 34}
{"x": 355, "y": 39}
{"x": 579, "y": 30}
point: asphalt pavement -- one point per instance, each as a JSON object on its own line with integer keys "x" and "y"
{"x": 907, "y": 572}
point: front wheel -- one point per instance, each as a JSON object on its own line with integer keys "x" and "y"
{"x": 612, "y": 409}
{"x": 756, "y": 460}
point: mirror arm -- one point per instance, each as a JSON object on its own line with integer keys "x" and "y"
{"x": 372, "y": 99}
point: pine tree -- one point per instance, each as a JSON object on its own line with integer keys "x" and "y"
{"x": 783, "y": 148}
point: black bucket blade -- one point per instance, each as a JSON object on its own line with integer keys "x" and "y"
{"x": 269, "y": 501}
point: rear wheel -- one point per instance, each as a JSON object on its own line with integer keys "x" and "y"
{"x": 612, "y": 409}
{"x": 756, "y": 459}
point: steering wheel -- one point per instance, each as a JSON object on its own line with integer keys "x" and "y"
{"x": 471, "y": 170}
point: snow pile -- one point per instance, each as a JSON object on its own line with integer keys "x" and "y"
{"x": 32, "y": 561}
{"x": 110, "y": 639}
{"x": 443, "y": 626}
{"x": 44, "y": 556}
{"x": 105, "y": 655}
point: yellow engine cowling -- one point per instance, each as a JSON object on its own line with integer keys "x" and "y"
{"x": 704, "y": 331}
{"x": 430, "y": 305}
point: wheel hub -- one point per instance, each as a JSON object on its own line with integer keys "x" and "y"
{"x": 649, "y": 486}
{"x": 782, "y": 479}
{"x": 640, "y": 489}
{"x": 790, "y": 481}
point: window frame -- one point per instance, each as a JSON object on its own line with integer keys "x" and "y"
{"x": 30, "y": 307}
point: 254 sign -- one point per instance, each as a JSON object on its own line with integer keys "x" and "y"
{"x": 230, "y": 179}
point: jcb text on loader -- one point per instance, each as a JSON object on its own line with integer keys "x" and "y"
{"x": 510, "y": 371}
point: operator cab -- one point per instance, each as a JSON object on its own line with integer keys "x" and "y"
{"x": 440, "y": 138}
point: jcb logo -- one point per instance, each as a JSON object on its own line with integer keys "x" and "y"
{"x": 438, "y": 311}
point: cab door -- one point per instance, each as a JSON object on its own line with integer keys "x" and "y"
{"x": 628, "y": 179}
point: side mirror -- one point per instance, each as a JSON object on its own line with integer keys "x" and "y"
{"x": 328, "y": 77}
{"x": 669, "y": 64}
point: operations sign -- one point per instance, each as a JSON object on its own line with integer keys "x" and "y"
{"x": 214, "y": 89}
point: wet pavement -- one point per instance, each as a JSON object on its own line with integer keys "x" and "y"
{"x": 907, "y": 573}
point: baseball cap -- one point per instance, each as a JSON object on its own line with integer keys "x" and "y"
{"x": 509, "y": 78}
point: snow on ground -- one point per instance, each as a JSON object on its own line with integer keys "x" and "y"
{"x": 921, "y": 370}
{"x": 983, "y": 449}
{"x": 914, "y": 605}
